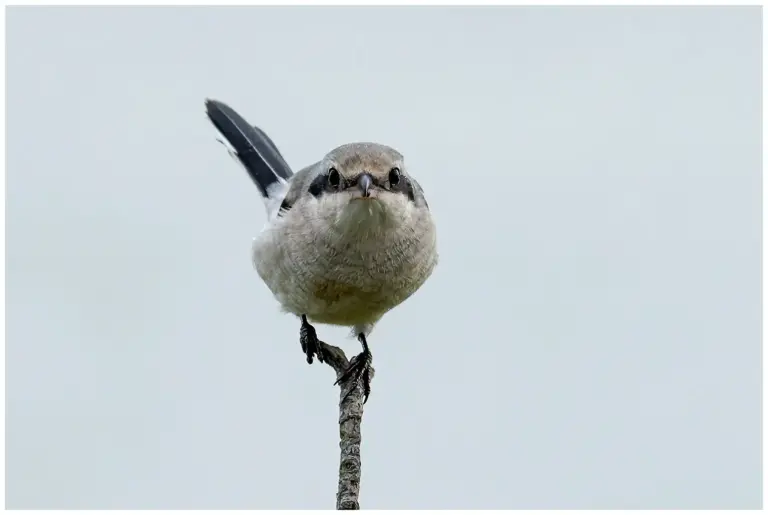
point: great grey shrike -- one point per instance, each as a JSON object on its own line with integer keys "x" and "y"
{"x": 347, "y": 238}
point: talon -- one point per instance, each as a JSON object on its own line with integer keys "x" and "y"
{"x": 366, "y": 383}
{"x": 309, "y": 341}
{"x": 360, "y": 367}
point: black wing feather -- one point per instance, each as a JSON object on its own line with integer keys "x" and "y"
{"x": 255, "y": 150}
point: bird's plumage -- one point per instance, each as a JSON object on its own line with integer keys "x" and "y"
{"x": 251, "y": 146}
{"x": 331, "y": 249}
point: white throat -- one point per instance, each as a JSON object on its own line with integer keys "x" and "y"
{"x": 365, "y": 217}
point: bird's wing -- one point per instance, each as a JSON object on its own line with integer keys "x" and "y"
{"x": 295, "y": 188}
{"x": 251, "y": 146}
{"x": 418, "y": 194}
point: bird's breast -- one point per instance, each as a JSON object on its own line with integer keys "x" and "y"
{"x": 343, "y": 274}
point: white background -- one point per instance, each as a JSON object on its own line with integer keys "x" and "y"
{"x": 590, "y": 339}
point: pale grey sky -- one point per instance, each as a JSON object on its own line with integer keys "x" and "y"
{"x": 590, "y": 339}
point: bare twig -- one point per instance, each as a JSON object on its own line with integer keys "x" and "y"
{"x": 350, "y": 418}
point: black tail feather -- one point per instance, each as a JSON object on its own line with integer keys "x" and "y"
{"x": 255, "y": 150}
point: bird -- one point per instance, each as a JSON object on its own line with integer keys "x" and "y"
{"x": 347, "y": 238}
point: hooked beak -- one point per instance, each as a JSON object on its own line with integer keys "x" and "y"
{"x": 365, "y": 182}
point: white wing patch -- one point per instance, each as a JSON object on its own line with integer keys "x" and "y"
{"x": 275, "y": 195}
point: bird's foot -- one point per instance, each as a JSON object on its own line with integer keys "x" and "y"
{"x": 309, "y": 341}
{"x": 360, "y": 371}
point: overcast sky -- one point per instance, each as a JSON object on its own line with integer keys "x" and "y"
{"x": 590, "y": 339}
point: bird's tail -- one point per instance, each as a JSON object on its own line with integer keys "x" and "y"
{"x": 251, "y": 146}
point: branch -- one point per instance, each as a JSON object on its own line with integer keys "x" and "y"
{"x": 350, "y": 418}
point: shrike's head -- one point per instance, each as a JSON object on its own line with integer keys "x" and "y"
{"x": 363, "y": 173}
{"x": 366, "y": 185}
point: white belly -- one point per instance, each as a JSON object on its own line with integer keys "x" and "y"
{"x": 342, "y": 276}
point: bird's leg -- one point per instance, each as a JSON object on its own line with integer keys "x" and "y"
{"x": 309, "y": 342}
{"x": 360, "y": 368}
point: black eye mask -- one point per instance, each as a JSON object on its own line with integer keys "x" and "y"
{"x": 321, "y": 185}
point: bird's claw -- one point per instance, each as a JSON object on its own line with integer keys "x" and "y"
{"x": 359, "y": 370}
{"x": 310, "y": 344}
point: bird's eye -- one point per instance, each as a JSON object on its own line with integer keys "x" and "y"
{"x": 333, "y": 177}
{"x": 394, "y": 176}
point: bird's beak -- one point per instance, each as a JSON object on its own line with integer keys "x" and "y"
{"x": 364, "y": 182}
